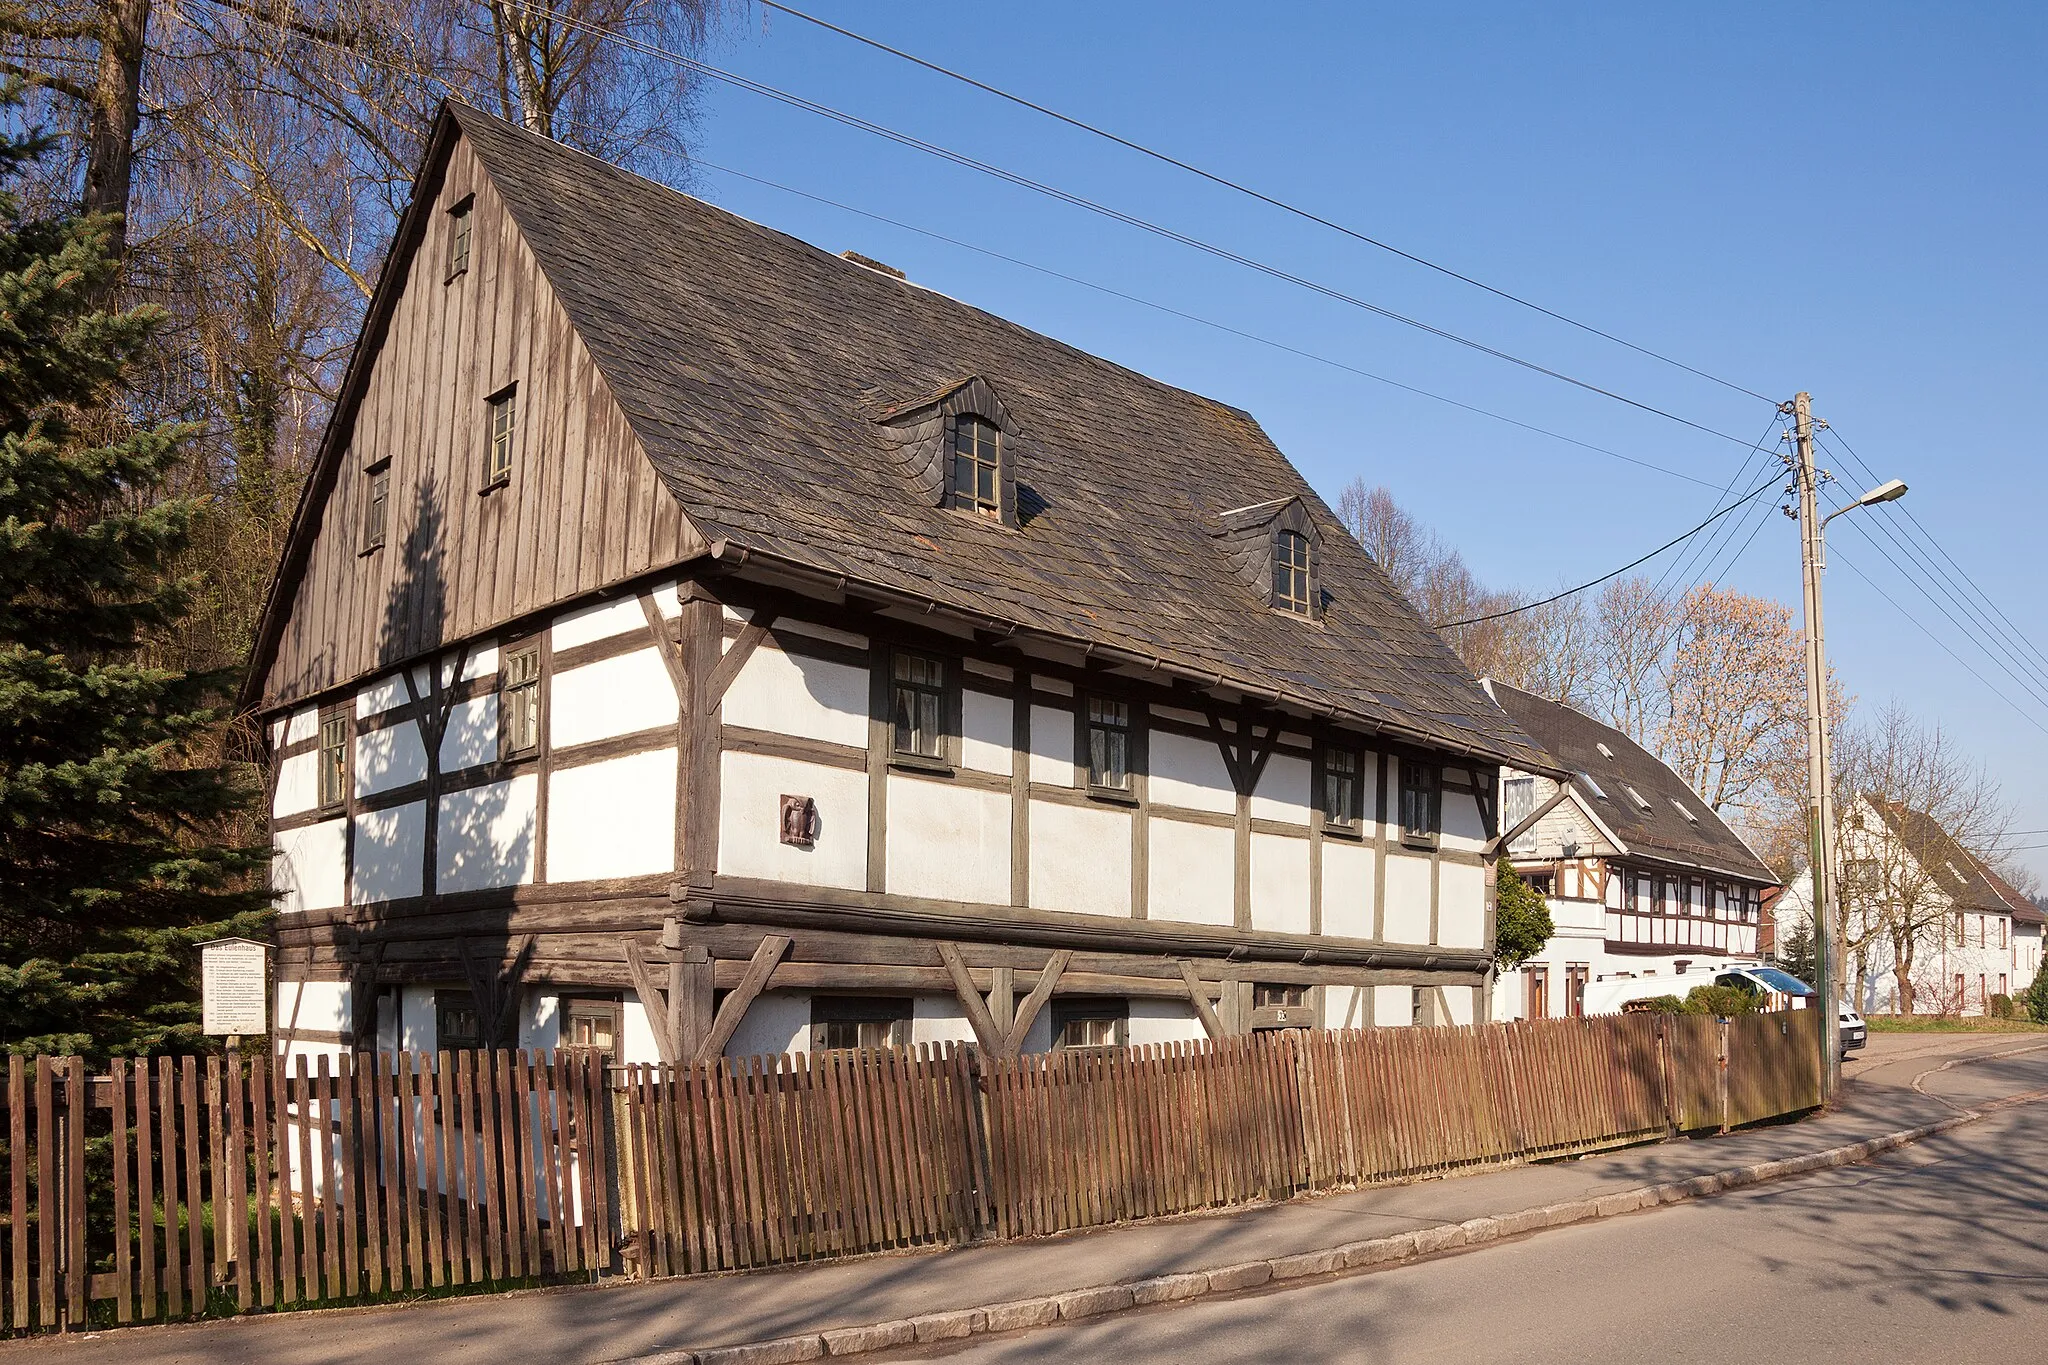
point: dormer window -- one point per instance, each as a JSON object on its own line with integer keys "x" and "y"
{"x": 1291, "y": 572}
{"x": 978, "y": 466}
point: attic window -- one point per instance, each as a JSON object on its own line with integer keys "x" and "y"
{"x": 1641, "y": 801}
{"x": 459, "y": 225}
{"x": 376, "y": 504}
{"x": 1291, "y": 572}
{"x": 1605, "y": 752}
{"x": 978, "y": 466}
{"x": 1690, "y": 818}
{"x": 503, "y": 426}
{"x": 1592, "y": 786}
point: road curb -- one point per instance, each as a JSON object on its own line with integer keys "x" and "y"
{"x": 1349, "y": 1258}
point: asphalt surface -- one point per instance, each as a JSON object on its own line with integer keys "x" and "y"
{"x": 1935, "y": 1253}
{"x": 1507, "y": 1301}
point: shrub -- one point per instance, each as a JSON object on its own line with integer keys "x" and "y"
{"x": 1722, "y": 1001}
{"x": 1656, "y": 1004}
{"x": 2037, "y": 998}
{"x": 1999, "y": 1006}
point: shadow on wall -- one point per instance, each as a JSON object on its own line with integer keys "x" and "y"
{"x": 483, "y": 833}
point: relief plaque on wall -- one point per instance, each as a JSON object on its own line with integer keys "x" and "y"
{"x": 799, "y": 821}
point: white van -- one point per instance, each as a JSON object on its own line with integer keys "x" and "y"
{"x": 1611, "y": 995}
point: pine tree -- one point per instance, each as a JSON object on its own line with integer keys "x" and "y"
{"x": 111, "y": 861}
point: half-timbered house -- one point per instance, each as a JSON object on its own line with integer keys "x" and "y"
{"x": 1642, "y": 877}
{"x": 691, "y": 641}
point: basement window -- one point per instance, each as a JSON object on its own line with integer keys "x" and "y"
{"x": 1083, "y": 1022}
{"x": 859, "y": 1021}
{"x": 457, "y": 1025}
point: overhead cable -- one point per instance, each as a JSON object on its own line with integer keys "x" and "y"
{"x": 1264, "y": 198}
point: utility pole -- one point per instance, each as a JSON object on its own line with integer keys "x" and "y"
{"x": 1819, "y": 796}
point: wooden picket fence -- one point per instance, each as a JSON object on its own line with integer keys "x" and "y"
{"x": 184, "y": 1186}
{"x": 751, "y": 1162}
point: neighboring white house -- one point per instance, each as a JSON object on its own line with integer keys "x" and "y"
{"x": 1642, "y": 878}
{"x": 1978, "y": 935}
{"x": 692, "y": 642}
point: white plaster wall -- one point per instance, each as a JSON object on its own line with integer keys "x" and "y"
{"x": 486, "y": 835}
{"x": 949, "y": 842}
{"x": 1407, "y": 913}
{"x": 1393, "y": 1007}
{"x": 298, "y": 785}
{"x": 1159, "y": 1021}
{"x": 480, "y": 662}
{"x": 304, "y": 725}
{"x": 1347, "y": 889}
{"x": 390, "y": 846}
{"x": 416, "y": 1021}
{"x": 310, "y": 866}
{"x": 599, "y": 621}
{"x": 1462, "y": 1001}
{"x": 1347, "y": 1007}
{"x": 318, "y": 1005}
{"x": 938, "y": 1019}
{"x": 1193, "y": 873}
{"x": 472, "y": 734}
{"x": 1052, "y": 746}
{"x": 1038, "y": 1038}
{"x": 851, "y": 639}
{"x": 389, "y": 758}
{"x": 636, "y": 1039}
{"x": 777, "y": 1021}
{"x": 1282, "y": 793}
{"x": 1280, "y": 883}
{"x": 985, "y": 731}
{"x": 794, "y": 695}
{"x": 1080, "y": 858}
{"x": 540, "y": 1019}
{"x": 613, "y": 819}
{"x": 750, "y": 813}
{"x": 1461, "y": 906}
{"x": 374, "y": 699}
{"x": 1189, "y": 772}
{"x": 1462, "y": 828}
{"x": 615, "y": 696}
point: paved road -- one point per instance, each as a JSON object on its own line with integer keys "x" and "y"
{"x": 1936, "y": 1253}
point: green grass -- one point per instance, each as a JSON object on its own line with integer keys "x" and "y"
{"x": 1900, "y": 1023}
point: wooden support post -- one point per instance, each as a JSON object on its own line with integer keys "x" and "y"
{"x": 978, "y": 1019}
{"x": 1027, "y": 1013}
{"x": 1198, "y": 995}
{"x": 759, "y": 969}
{"x": 653, "y": 1000}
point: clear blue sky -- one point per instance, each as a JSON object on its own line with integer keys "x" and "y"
{"x": 1847, "y": 199}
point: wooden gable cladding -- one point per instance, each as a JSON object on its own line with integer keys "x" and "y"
{"x": 583, "y": 510}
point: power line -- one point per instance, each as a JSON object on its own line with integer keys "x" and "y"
{"x": 1093, "y": 206}
{"x": 1171, "y": 311}
{"x": 1615, "y": 573}
{"x": 1262, "y": 197}
{"x": 2011, "y": 632}
{"x": 1939, "y": 642}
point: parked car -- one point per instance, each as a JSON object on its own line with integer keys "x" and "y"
{"x": 1612, "y": 995}
{"x": 1855, "y": 1033}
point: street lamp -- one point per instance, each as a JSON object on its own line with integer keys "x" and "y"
{"x": 1819, "y": 776}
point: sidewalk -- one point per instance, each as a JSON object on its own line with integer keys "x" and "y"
{"x": 623, "y": 1320}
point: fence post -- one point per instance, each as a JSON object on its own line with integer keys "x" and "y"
{"x": 980, "y": 1156}
{"x": 1721, "y": 1029}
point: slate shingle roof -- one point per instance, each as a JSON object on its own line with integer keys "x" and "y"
{"x": 1573, "y": 740}
{"x": 756, "y": 370}
{"x": 1961, "y": 874}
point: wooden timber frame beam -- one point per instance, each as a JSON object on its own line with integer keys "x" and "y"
{"x": 1002, "y": 1039}
{"x": 1198, "y": 996}
{"x": 1527, "y": 823}
{"x": 496, "y": 991}
{"x": 679, "y": 1015}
